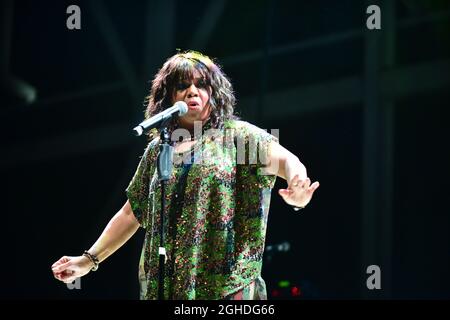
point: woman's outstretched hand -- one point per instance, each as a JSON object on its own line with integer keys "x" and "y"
{"x": 299, "y": 192}
{"x": 67, "y": 269}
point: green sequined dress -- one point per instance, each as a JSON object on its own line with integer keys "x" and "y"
{"x": 216, "y": 216}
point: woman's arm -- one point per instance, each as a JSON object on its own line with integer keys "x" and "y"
{"x": 286, "y": 165}
{"x": 118, "y": 231}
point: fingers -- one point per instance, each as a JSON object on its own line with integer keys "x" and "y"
{"x": 306, "y": 183}
{"x": 296, "y": 182}
{"x": 65, "y": 270}
{"x": 61, "y": 267}
{"x": 299, "y": 191}
{"x": 57, "y": 263}
{"x": 314, "y": 187}
{"x": 60, "y": 261}
{"x": 70, "y": 278}
{"x": 60, "y": 276}
{"x": 285, "y": 193}
{"x": 66, "y": 276}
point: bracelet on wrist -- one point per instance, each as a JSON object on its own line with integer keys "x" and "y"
{"x": 93, "y": 259}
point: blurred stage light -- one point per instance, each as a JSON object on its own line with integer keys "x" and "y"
{"x": 17, "y": 92}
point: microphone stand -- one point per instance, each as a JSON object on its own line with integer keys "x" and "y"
{"x": 164, "y": 167}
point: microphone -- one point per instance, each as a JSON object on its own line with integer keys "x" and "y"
{"x": 178, "y": 109}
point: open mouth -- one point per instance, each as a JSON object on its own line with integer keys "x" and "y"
{"x": 193, "y": 104}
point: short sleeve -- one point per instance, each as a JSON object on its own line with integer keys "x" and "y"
{"x": 138, "y": 190}
{"x": 252, "y": 148}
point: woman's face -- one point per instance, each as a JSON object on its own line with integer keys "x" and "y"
{"x": 196, "y": 94}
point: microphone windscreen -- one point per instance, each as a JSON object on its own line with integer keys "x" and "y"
{"x": 183, "y": 108}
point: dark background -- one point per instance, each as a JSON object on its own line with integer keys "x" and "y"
{"x": 365, "y": 111}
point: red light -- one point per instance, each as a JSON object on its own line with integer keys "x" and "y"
{"x": 295, "y": 291}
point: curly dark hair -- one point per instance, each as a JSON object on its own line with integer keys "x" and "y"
{"x": 181, "y": 67}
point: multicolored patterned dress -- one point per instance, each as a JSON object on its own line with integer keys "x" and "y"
{"x": 216, "y": 216}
